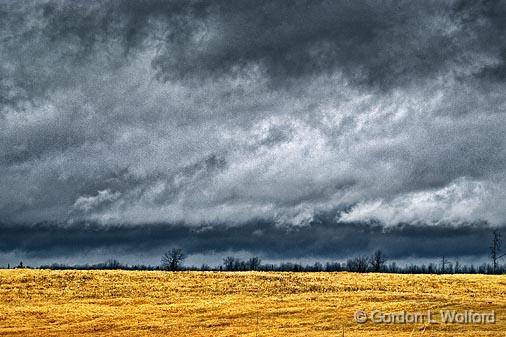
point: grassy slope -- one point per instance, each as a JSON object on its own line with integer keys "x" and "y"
{"x": 129, "y": 303}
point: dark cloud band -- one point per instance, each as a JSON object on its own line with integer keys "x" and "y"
{"x": 321, "y": 240}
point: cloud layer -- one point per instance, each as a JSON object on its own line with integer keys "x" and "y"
{"x": 193, "y": 112}
{"x": 80, "y": 243}
{"x": 459, "y": 203}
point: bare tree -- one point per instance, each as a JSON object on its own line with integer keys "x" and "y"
{"x": 112, "y": 264}
{"x": 173, "y": 259}
{"x": 229, "y": 263}
{"x": 358, "y": 264}
{"x": 444, "y": 262}
{"x": 254, "y": 263}
{"x": 377, "y": 261}
{"x": 457, "y": 267}
{"x": 495, "y": 250}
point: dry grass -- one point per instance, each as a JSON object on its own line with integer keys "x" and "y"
{"x": 129, "y": 303}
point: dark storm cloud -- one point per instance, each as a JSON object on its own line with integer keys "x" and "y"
{"x": 322, "y": 240}
{"x": 385, "y": 45}
{"x": 134, "y": 114}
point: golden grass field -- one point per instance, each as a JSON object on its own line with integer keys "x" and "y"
{"x": 152, "y": 303}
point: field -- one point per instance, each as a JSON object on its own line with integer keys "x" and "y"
{"x": 149, "y": 303}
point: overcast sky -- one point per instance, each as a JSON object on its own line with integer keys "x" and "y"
{"x": 285, "y": 129}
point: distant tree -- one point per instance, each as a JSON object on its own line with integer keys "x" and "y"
{"x": 444, "y": 263}
{"x": 240, "y": 265}
{"x": 20, "y": 265}
{"x": 392, "y": 267}
{"x": 377, "y": 261}
{"x": 358, "y": 264}
{"x": 458, "y": 268}
{"x": 495, "y": 250}
{"x": 450, "y": 269}
{"x": 229, "y": 263}
{"x": 173, "y": 259}
{"x": 317, "y": 266}
{"x": 334, "y": 266}
{"x": 254, "y": 263}
{"x": 113, "y": 264}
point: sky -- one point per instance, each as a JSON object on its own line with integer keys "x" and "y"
{"x": 289, "y": 130}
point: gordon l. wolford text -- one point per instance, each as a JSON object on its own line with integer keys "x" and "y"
{"x": 429, "y": 316}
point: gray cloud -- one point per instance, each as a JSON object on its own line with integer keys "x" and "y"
{"x": 131, "y": 113}
{"x": 323, "y": 240}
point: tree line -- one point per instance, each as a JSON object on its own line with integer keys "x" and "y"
{"x": 173, "y": 259}
{"x": 359, "y": 264}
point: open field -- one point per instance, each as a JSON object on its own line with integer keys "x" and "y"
{"x": 147, "y": 303}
